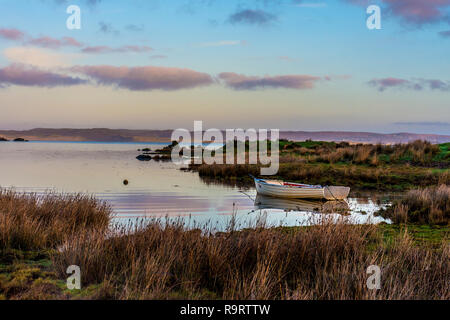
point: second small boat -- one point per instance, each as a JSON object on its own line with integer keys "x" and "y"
{"x": 281, "y": 189}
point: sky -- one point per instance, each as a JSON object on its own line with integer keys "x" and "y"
{"x": 308, "y": 65}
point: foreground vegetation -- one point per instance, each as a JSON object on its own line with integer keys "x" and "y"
{"x": 41, "y": 236}
{"x": 362, "y": 166}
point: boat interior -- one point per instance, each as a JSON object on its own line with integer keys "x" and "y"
{"x": 290, "y": 184}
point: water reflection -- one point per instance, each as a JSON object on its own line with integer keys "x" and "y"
{"x": 288, "y": 205}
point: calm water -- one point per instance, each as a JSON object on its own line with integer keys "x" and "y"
{"x": 155, "y": 189}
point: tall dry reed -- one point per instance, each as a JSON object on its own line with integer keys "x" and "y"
{"x": 31, "y": 221}
{"x": 327, "y": 261}
{"x": 429, "y": 205}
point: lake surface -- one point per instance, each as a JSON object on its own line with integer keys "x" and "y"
{"x": 155, "y": 189}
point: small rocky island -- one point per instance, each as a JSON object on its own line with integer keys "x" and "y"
{"x": 163, "y": 154}
{"x": 3, "y": 139}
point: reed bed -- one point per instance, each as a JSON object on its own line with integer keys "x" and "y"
{"x": 425, "y": 206}
{"x": 31, "y": 221}
{"x": 328, "y": 261}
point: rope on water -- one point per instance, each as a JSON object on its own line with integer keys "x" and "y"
{"x": 247, "y": 195}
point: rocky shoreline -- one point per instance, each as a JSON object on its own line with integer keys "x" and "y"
{"x": 2, "y": 139}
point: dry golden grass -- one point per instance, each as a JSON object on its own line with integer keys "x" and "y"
{"x": 417, "y": 153}
{"x": 328, "y": 261}
{"x": 425, "y": 206}
{"x": 37, "y": 222}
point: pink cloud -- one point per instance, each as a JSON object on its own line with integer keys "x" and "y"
{"x": 414, "y": 84}
{"x": 49, "y": 42}
{"x": 159, "y": 56}
{"x": 416, "y": 12}
{"x": 135, "y": 48}
{"x": 383, "y": 84}
{"x": 69, "y": 41}
{"x": 107, "y": 49}
{"x": 11, "y": 34}
{"x": 55, "y": 43}
{"x": 145, "y": 78}
{"x": 96, "y": 49}
{"x": 44, "y": 41}
{"x": 243, "y": 82}
{"x": 29, "y": 76}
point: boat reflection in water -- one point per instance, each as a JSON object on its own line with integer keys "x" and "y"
{"x": 288, "y": 205}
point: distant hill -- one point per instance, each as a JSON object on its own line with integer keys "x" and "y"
{"x": 124, "y": 135}
{"x": 363, "y": 137}
{"x": 97, "y": 134}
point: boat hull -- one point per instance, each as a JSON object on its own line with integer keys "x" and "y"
{"x": 282, "y": 191}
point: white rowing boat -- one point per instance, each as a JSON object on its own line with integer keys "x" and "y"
{"x": 281, "y": 189}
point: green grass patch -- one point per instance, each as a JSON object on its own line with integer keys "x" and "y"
{"x": 444, "y": 154}
{"x": 420, "y": 234}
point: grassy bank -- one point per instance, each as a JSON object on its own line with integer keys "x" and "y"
{"x": 166, "y": 261}
{"x": 363, "y": 167}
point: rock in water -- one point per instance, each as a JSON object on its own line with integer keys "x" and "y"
{"x": 144, "y": 157}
